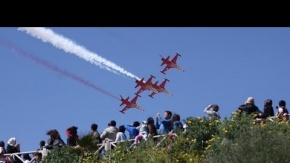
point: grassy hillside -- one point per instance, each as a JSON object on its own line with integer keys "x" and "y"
{"x": 239, "y": 138}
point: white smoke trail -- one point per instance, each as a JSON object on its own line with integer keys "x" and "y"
{"x": 59, "y": 41}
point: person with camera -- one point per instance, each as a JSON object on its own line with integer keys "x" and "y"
{"x": 282, "y": 111}
{"x": 212, "y": 111}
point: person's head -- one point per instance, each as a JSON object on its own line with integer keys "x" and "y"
{"x": 215, "y": 107}
{"x": 26, "y": 156}
{"x": 54, "y": 134}
{"x": 282, "y": 103}
{"x": 94, "y": 127}
{"x": 121, "y": 128}
{"x": 2, "y": 144}
{"x": 167, "y": 114}
{"x": 73, "y": 130}
{"x": 42, "y": 143}
{"x": 175, "y": 117}
{"x": 12, "y": 141}
{"x": 112, "y": 123}
{"x": 136, "y": 124}
{"x": 38, "y": 157}
{"x": 150, "y": 121}
{"x": 250, "y": 100}
{"x": 268, "y": 102}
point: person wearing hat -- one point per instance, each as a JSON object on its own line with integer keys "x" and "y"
{"x": 13, "y": 147}
{"x": 250, "y": 108}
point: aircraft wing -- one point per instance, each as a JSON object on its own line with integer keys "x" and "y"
{"x": 140, "y": 90}
{"x": 152, "y": 94}
{"x": 125, "y": 108}
{"x": 165, "y": 69}
{"x": 139, "y": 107}
{"x": 174, "y": 59}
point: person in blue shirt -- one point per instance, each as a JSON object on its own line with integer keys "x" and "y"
{"x": 163, "y": 123}
{"x": 132, "y": 129}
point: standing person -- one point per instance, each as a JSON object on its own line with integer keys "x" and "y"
{"x": 152, "y": 130}
{"x": 282, "y": 110}
{"x": 55, "y": 139}
{"x": 121, "y": 136}
{"x": 163, "y": 123}
{"x": 176, "y": 125}
{"x": 268, "y": 108}
{"x": 72, "y": 136}
{"x": 96, "y": 138}
{"x": 109, "y": 134}
{"x": 212, "y": 111}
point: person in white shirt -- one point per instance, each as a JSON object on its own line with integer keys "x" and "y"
{"x": 212, "y": 111}
{"x": 121, "y": 136}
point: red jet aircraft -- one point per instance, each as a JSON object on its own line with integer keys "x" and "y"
{"x": 170, "y": 64}
{"x": 145, "y": 85}
{"x": 160, "y": 88}
{"x": 130, "y": 104}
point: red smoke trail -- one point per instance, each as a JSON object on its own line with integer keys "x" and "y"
{"x": 55, "y": 68}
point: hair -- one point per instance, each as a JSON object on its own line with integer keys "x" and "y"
{"x": 150, "y": 120}
{"x": 215, "y": 108}
{"x": 38, "y": 154}
{"x": 42, "y": 143}
{"x": 94, "y": 126}
{"x": 2, "y": 144}
{"x": 26, "y": 156}
{"x": 282, "y": 103}
{"x": 175, "y": 117}
{"x": 112, "y": 123}
{"x": 136, "y": 124}
{"x": 73, "y": 130}
{"x": 169, "y": 113}
{"x": 121, "y": 128}
{"x": 268, "y": 102}
{"x": 53, "y": 134}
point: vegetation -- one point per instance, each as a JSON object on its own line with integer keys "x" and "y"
{"x": 239, "y": 138}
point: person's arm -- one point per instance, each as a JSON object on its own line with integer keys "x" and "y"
{"x": 104, "y": 134}
{"x": 157, "y": 122}
{"x": 207, "y": 108}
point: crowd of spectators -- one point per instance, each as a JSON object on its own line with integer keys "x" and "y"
{"x": 137, "y": 131}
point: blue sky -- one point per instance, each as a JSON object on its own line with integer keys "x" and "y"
{"x": 222, "y": 66}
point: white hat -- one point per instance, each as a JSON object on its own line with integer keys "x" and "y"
{"x": 250, "y": 100}
{"x": 12, "y": 141}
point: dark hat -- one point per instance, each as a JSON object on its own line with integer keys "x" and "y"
{"x": 282, "y": 103}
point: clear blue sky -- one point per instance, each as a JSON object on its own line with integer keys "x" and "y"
{"x": 222, "y": 66}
